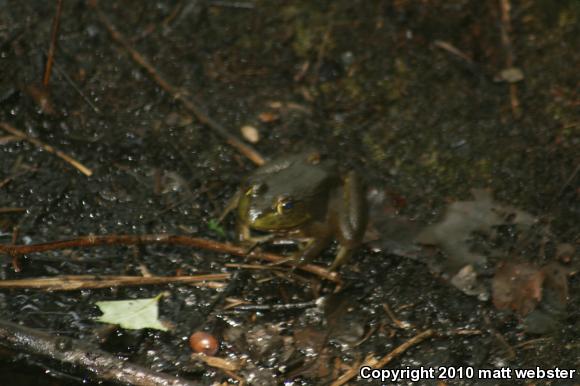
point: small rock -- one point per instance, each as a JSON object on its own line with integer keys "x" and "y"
{"x": 250, "y": 133}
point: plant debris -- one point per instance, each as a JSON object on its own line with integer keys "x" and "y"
{"x": 134, "y": 314}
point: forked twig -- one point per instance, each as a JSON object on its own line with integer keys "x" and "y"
{"x": 372, "y": 362}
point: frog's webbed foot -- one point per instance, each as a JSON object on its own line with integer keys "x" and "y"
{"x": 230, "y": 206}
{"x": 249, "y": 241}
{"x": 253, "y": 242}
{"x": 342, "y": 257}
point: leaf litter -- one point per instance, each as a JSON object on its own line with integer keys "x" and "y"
{"x": 468, "y": 248}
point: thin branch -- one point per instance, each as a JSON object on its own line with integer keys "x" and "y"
{"x": 77, "y": 282}
{"x": 80, "y": 167}
{"x": 53, "y": 40}
{"x": 506, "y": 29}
{"x": 174, "y": 91}
{"x": 396, "y": 321}
{"x": 76, "y": 88}
{"x": 12, "y": 210}
{"x": 568, "y": 181}
{"x": 275, "y": 307}
{"x": 453, "y": 50}
{"x": 186, "y": 241}
{"x": 404, "y": 347}
{"x": 88, "y": 358}
{"x": 9, "y": 179}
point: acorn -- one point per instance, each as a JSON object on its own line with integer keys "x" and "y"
{"x": 203, "y": 342}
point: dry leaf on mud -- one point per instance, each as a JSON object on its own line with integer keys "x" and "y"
{"x": 522, "y": 286}
{"x": 462, "y": 219}
{"x": 517, "y": 286}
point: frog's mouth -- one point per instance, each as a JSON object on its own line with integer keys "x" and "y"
{"x": 272, "y": 222}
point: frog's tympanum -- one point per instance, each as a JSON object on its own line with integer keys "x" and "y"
{"x": 304, "y": 197}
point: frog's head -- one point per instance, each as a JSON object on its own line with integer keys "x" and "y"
{"x": 287, "y": 193}
{"x": 269, "y": 210}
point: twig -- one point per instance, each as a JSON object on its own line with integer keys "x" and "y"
{"x": 568, "y": 182}
{"x": 7, "y": 180}
{"x": 323, "y": 47}
{"x": 249, "y": 266}
{"x": 175, "y": 92}
{"x": 557, "y": 197}
{"x": 231, "y": 4}
{"x": 76, "y": 88}
{"x": 86, "y": 357}
{"x": 462, "y": 332}
{"x": 217, "y": 362}
{"x": 12, "y": 210}
{"x": 80, "y": 167}
{"x": 405, "y": 346}
{"x": 186, "y": 241}
{"x": 76, "y": 282}
{"x": 398, "y": 323}
{"x": 53, "y": 40}
{"x": 511, "y": 353}
{"x": 532, "y": 342}
{"x": 371, "y": 361}
{"x": 453, "y": 50}
{"x": 506, "y": 28}
{"x": 275, "y": 307}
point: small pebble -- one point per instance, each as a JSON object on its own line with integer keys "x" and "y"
{"x": 250, "y": 133}
{"x": 268, "y": 117}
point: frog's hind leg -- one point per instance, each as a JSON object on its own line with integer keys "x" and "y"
{"x": 352, "y": 218}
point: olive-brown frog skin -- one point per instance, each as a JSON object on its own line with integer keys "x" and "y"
{"x": 304, "y": 197}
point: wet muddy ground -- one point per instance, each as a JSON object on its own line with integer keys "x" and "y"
{"x": 427, "y": 100}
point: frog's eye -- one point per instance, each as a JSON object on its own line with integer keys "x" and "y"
{"x": 284, "y": 205}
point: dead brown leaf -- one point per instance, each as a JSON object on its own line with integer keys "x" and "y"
{"x": 517, "y": 286}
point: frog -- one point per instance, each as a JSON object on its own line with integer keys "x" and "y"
{"x": 303, "y": 197}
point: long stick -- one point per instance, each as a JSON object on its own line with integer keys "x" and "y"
{"x": 177, "y": 94}
{"x": 77, "y": 282}
{"x": 86, "y": 357}
{"x": 187, "y": 241}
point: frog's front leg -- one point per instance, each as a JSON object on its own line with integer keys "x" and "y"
{"x": 231, "y": 205}
{"x": 246, "y": 238}
{"x": 312, "y": 249}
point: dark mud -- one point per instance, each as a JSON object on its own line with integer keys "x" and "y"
{"x": 366, "y": 82}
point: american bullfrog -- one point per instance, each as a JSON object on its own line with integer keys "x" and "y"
{"x": 304, "y": 197}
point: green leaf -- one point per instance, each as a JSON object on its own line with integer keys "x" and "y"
{"x": 132, "y": 314}
{"x": 215, "y": 226}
